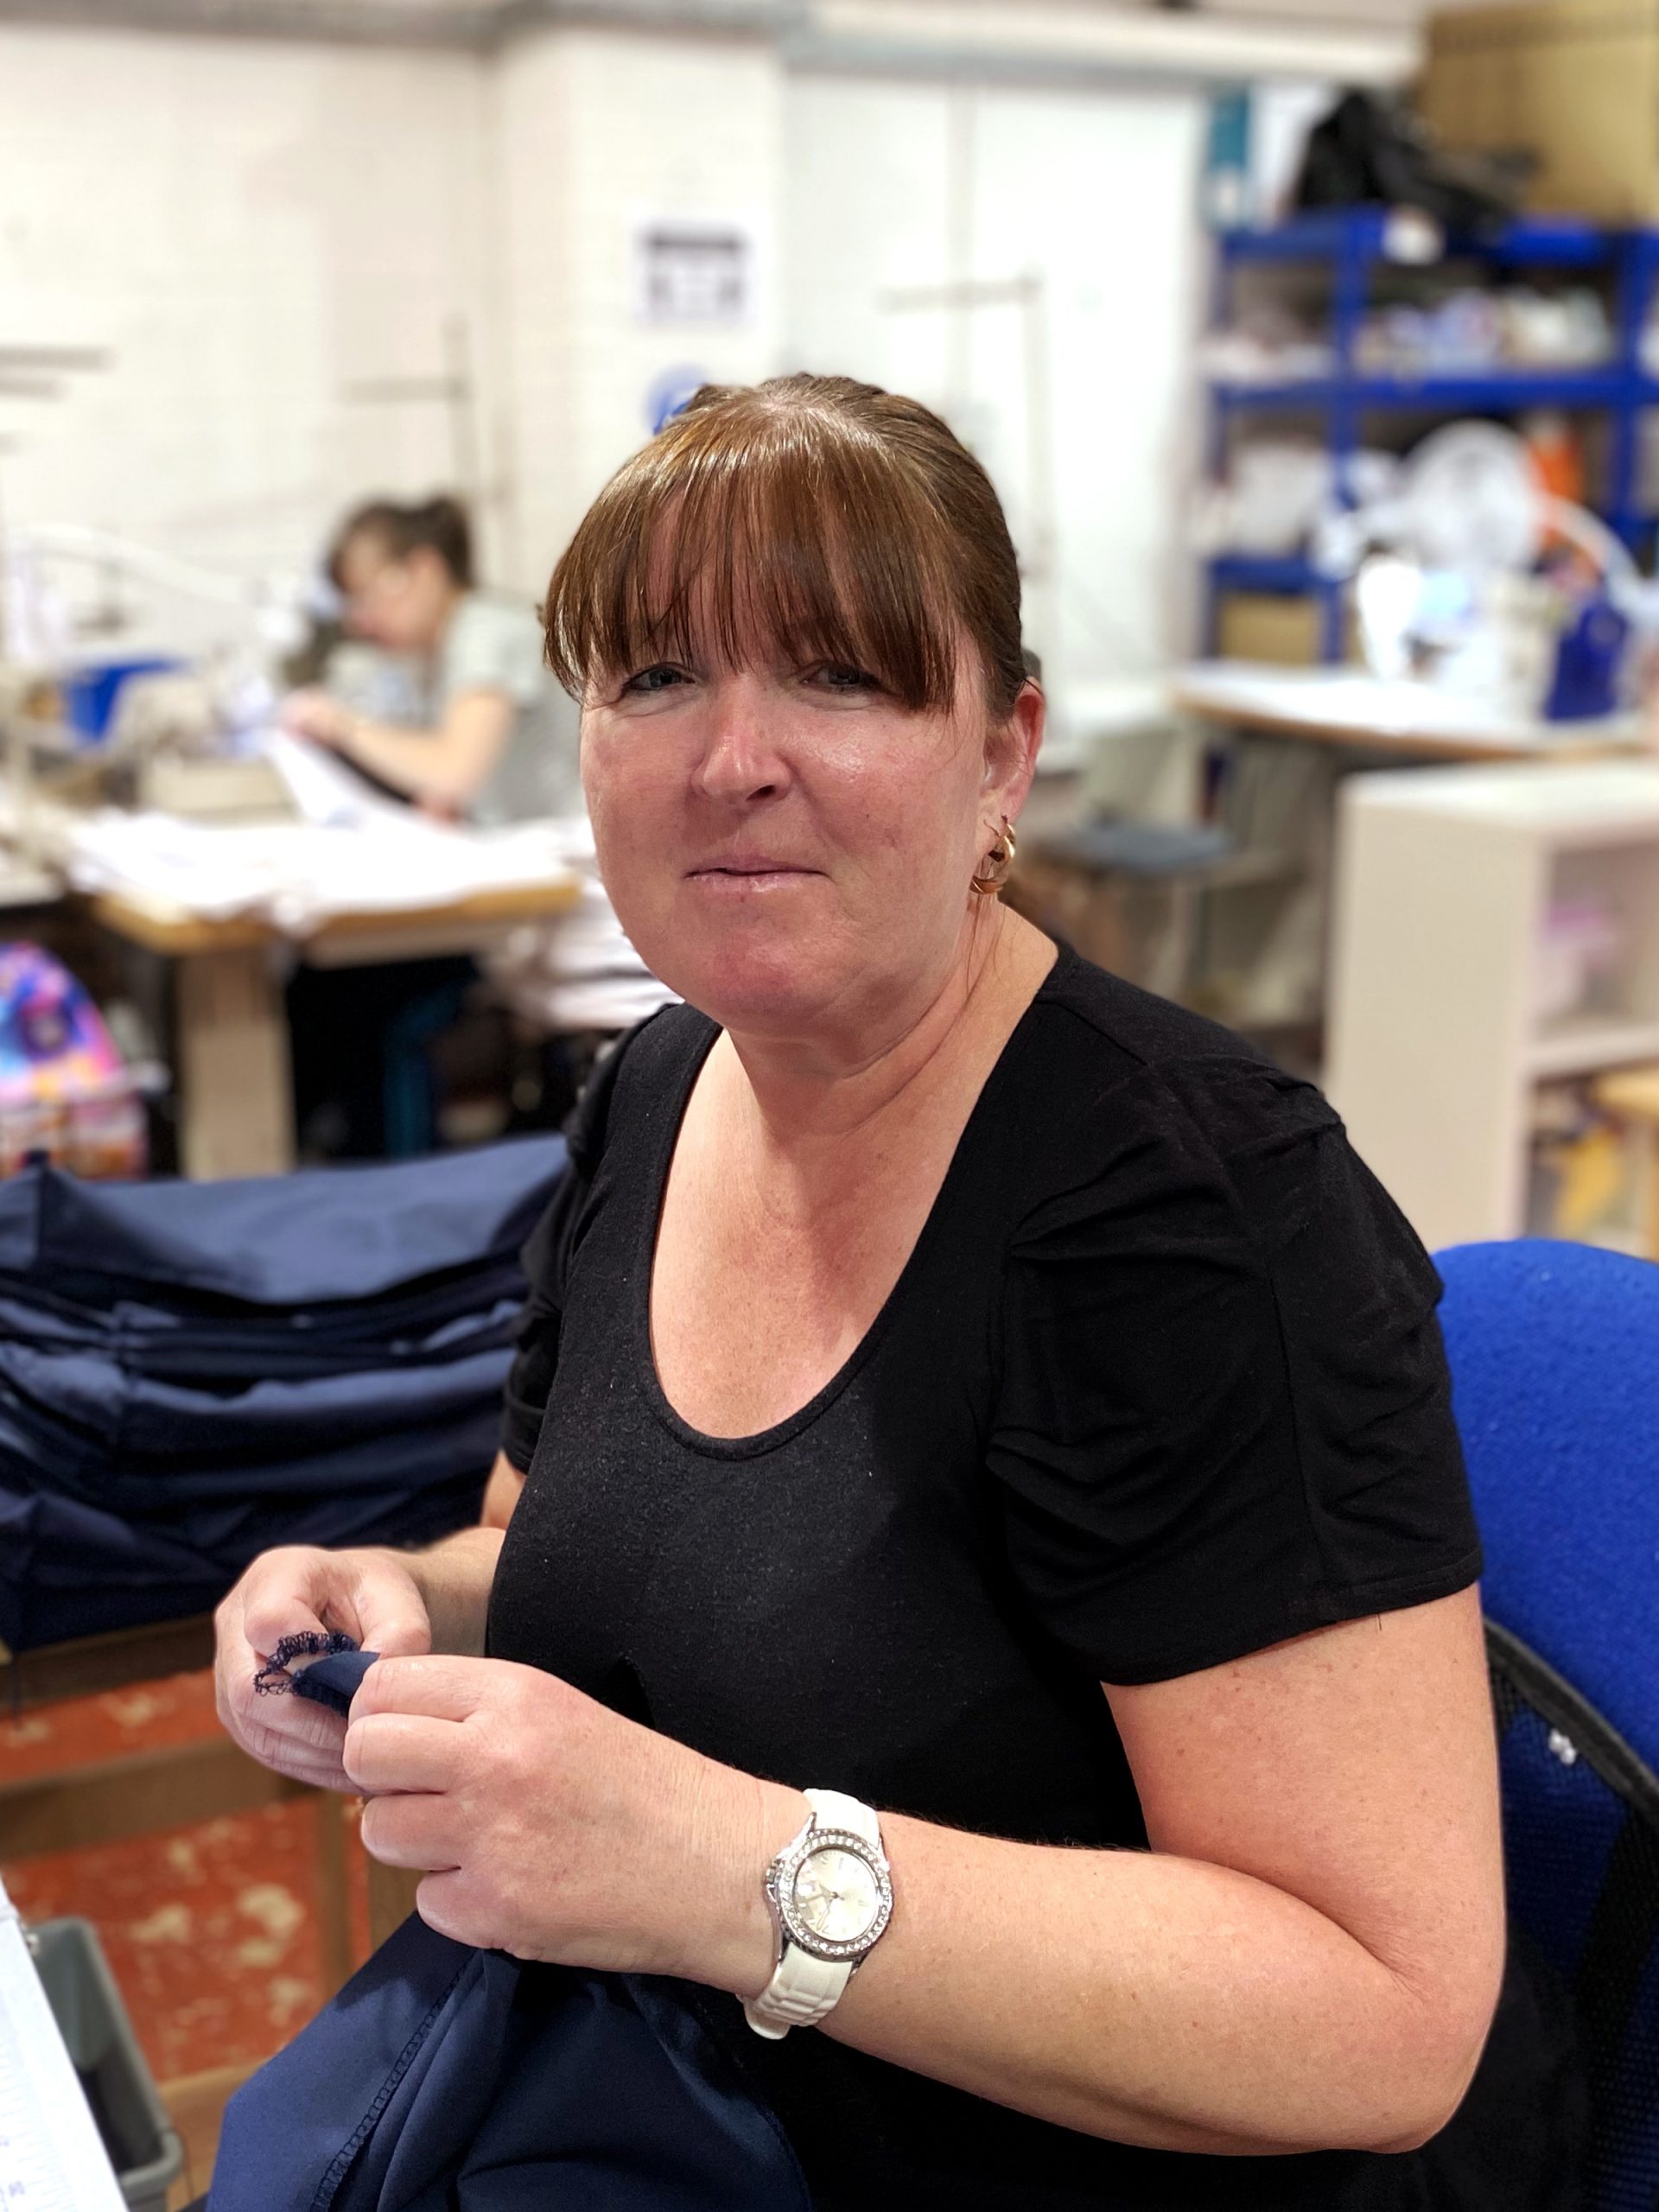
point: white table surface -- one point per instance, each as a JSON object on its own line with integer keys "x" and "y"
{"x": 1347, "y": 705}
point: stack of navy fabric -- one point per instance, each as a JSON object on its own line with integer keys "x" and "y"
{"x": 191, "y": 1372}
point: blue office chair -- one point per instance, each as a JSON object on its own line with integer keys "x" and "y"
{"x": 1555, "y": 1356}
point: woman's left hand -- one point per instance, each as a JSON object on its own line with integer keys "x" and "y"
{"x": 552, "y": 1827}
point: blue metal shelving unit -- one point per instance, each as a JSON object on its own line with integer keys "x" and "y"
{"x": 1353, "y": 245}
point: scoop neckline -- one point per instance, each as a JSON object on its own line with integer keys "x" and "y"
{"x": 762, "y": 1441}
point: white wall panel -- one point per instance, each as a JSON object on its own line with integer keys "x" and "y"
{"x": 895, "y": 187}
{"x": 596, "y": 131}
{"x": 250, "y": 229}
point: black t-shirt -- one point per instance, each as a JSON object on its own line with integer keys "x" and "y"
{"x": 1161, "y": 1384}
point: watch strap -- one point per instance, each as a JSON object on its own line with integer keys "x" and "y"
{"x": 836, "y": 1810}
{"x": 801, "y": 1991}
{"x": 804, "y": 1988}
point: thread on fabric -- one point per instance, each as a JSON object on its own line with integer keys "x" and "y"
{"x": 275, "y": 1677}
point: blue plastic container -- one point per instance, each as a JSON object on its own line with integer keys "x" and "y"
{"x": 90, "y": 692}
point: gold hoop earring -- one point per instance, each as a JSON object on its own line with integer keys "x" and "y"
{"x": 998, "y": 864}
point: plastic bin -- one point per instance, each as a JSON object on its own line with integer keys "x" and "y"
{"x": 146, "y": 2153}
{"x": 90, "y": 692}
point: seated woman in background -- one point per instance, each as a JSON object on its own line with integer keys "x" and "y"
{"x": 493, "y": 737}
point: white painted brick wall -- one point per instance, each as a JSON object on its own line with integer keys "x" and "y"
{"x": 251, "y": 227}
{"x": 248, "y": 228}
{"x": 594, "y": 131}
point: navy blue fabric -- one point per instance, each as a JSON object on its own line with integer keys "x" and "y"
{"x": 1559, "y": 1837}
{"x": 256, "y": 1242}
{"x": 1581, "y": 1862}
{"x": 191, "y": 1373}
{"x": 1554, "y": 1356}
{"x": 1633, "y": 2089}
{"x": 447, "y": 2080}
{"x": 333, "y": 1680}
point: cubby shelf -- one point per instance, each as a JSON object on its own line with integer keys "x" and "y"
{"x": 1352, "y": 246}
{"x": 1445, "y": 881}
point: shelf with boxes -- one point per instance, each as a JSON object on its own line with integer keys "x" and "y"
{"x": 1568, "y": 83}
{"x": 1370, "y": 368}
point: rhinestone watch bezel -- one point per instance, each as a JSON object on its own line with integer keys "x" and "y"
{"x": 780, "y": 1888}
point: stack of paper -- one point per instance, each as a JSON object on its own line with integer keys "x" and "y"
{"x": 298, "y": 874}
{"x": 579, "y": 972}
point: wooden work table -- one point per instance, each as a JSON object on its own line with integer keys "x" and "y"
{"x": 236, "y": 1099}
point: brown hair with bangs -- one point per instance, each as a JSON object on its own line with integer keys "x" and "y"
{"x": 832, "y": 519}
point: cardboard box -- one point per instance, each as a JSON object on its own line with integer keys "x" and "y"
{"x": 1269, "y": 626}
{"x": 1574, "y": 83}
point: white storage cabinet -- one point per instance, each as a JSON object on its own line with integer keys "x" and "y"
{"x": 1446, "y": 882}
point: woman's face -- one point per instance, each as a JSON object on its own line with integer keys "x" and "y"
{"x": 790, "y": 849}
{"x": 399, "y": 602}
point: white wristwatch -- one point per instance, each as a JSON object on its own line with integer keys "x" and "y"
{"x": 830, "y": 1891}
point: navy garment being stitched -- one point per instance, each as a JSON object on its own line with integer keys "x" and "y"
{"x": 444, "y": 2079}
{"x": 333, "y": 1680}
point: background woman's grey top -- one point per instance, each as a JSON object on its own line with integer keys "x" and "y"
{"x": 493, "y": 643}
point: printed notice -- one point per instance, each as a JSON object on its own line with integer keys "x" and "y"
{"x": 688, "y": 270}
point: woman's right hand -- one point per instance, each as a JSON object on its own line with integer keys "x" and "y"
{"x": 317, "y": 715}
{"x": 372, "y": 1595}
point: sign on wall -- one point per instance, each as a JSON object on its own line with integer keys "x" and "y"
{"x": 692, "y": 270}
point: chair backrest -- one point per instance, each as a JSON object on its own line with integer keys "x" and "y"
{"x": 1554, "y": 1358}
{"x": 1581, "y": 1864}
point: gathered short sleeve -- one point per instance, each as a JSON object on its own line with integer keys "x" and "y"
{"x": 1223, "y": 1414}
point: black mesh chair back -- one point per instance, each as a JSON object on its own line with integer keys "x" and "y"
{"x": 1581, "y": 1851}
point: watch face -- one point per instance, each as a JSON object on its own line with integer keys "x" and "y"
{"x": 836, "y": 1898}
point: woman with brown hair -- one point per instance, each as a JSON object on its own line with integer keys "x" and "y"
{"x": 456, "y": 714}
{"x": 488, "y": 736}
{"x": 960, "y": 1388}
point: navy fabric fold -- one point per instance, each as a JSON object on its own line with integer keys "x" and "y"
{"x": 333, "y": 1680}
{"x": 191, "y": 1373}
{"x": 255, "y": 1243}
{"x": 447, "y": 2080}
